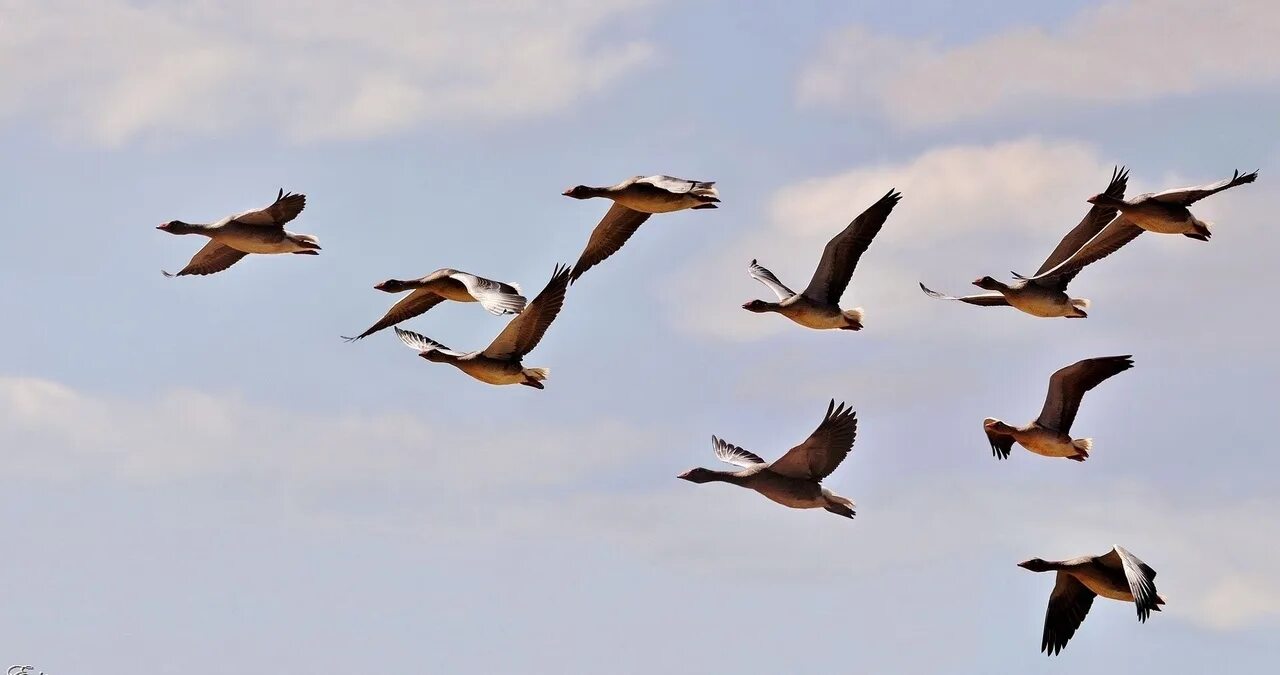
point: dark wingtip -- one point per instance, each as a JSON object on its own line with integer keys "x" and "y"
{"x": 167, "y": 275}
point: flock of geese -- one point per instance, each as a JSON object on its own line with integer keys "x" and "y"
{"x": 795, "y": 478}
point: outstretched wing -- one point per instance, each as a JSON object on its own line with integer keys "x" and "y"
{"x": 1189, "y": 195}
{"x": 841, "y": 254}
{"x": 524, "y": 332}
{"x": 409, "y": 306}
{"x": 985, "y": 300}
{"x": 732, "y": 454}
{"x": 1116, "y": 234}
{"x": 1069, "y": 603}
{"x": 764, "y": 276}
{"x": 1141, "y": 580}
{"x": 422, "y": 343}
{"x": 1096, "y": 219}
{"x": 617, "y": 226}
{"x": 214, "y": 257}
{"x": 495, "y": 296}
{"x": 285, "y": 208}
{"x": 1068, "y": 385}
{"x": 825, "y": 448}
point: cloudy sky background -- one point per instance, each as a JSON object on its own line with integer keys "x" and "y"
{"x": 202, "y": 478}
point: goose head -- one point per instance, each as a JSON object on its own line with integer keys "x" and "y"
{"x": 580, "y": 192}
{"x": 392, "y": 286}
{"x": 988, "y": 283}
{"x": 758, "y": 306}
{"x": 436, "y": 356}
{"x": 699, "y": 475}
{"x": 176, "y": 227}
{"x": 997, "y": 426}
{"x": 1036, "y": 565}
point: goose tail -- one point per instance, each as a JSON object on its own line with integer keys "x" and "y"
{"x": 854, "y": 318}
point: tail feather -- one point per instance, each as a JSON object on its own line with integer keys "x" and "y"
{"x": 841, "y": 506}
{"x": 854, "y": 317}
{"x": 1082, "y": 303}
{"x": 537, "y": 374}
{"x": 1084, "y": 445}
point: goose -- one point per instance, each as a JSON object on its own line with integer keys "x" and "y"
{"x": 234, "y": 237}
{"x": 818, "y": 305}
{"x": 445, "y": 284}
{"x": 795, "y": 479}
{"x": 1163, "y": 213}
{"x": 1116, "y": 574}
{"x": 634, "y": 200}
{"x": 500, "y": 362}
{"x": 1046, "y": 295}
{"x": 1049, "y": 434}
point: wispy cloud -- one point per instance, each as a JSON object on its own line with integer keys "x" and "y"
{"x": 1115, "y": 53}
{"x": 115, "y": 70}
{"x": 56, "y": 432}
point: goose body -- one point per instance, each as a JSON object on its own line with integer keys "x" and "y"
{"x": 1167, "y": 212}
{"x": 634, "y": 200}
{"x": 818, "y": 305}
{"x": 1116, "y": 575}
{"x": 502, "y": 362}
{"x": 258, "y": 231}
{"x": 445, "y": 284}
{"x": 1045, "y": 294}
{"x": 1049, "y": 434}
{"x": 795, "y": 479}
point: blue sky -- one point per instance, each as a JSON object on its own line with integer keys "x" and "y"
{"x": 201, "y": 476}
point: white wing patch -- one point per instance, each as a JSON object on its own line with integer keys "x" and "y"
{"x": 732, "y": 454}
{"x": 490, "y": 294}
{"x": 764, "y": 276}
{"x": 422, "y": 343}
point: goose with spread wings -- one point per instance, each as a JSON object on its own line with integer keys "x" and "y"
{"x": 1161, "y": 212}
{"x": 634, "y": 200}
{"x": 795, "y": 479}
{"x": 818, "y": 306}
{"x": 256, "y": 231}
{"x": 1116, "y": 574}
{"x": 502, "y": 361}
{"x": 445, "y": 284}
{"x": 1050, "y": 433}
{"x": 1045, "y": 295}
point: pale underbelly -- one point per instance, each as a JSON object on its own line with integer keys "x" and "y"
{"x": 492, "y": 372}
{"x": 1048, "y": 445}
{"x": 661, "y": 205}
{"x": 1163, "y": 224}
{"x": 252, "y": 245}
{"x": 795, "y": 501}
{"x": 1042, "y": 306}
{"x": 1106, "y": 588}
{"x": 814, "y": 318}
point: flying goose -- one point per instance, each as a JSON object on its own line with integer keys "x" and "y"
{"x": 1049, "y": 434}
{"x": 634, "y": 200}
{"x": 795, "y": 479}
{"x": 234, "y": 237}
{"x": 818, "y": 305}
{"x": 445, "y": 284}
{"x": 1046, "y": 295}
{"x": 1117, "y": 575}
{"x": 1163, "y": 212}
{"x": 500, "y": 362}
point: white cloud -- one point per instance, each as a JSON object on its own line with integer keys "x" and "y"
{"x": 1115, "y": 53}
{"x": 115, "y": 70}
{"x": 966, "y": 211}
{"x": 54, "y": 432}
{"x": 396, "y": 474}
